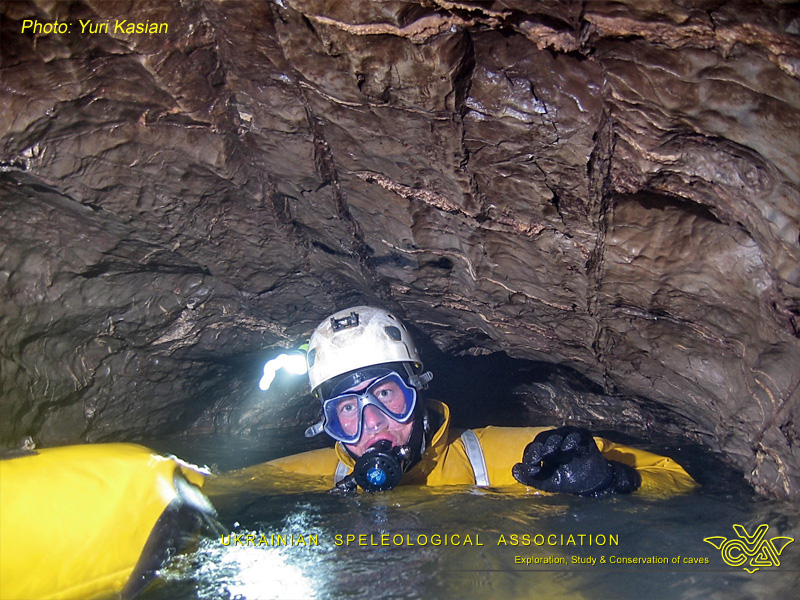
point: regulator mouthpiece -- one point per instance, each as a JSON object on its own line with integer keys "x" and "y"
{"x": 379, "y": 469}
{"x": 291, "y": 362}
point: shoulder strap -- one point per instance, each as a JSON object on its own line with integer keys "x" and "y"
{"x": 475, "y": 456}
{"x": 340, "y": 473}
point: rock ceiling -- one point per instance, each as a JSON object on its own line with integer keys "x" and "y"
{"x": 609, "y": 187}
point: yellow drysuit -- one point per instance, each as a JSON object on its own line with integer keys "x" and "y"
{"x": 80, "y": 522}
{"x": 445, "y": 461}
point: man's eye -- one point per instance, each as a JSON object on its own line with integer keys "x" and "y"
{"x": 346, "y": 409}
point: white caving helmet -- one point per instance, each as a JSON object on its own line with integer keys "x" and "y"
{"x": 359, "y": 337}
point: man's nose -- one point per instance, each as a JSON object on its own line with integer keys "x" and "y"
{"x": 374, "y": 420}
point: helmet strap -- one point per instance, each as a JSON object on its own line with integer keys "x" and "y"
{"x": 314, "y": 430}
{"x": 420, "y": 381}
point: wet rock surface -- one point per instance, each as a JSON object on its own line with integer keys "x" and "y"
{"x": 607, "y": 193}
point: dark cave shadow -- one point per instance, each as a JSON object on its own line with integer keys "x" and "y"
{"x": 480, "y": 391}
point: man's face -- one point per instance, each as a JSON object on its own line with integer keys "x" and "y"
{"x": 376, "y": 425}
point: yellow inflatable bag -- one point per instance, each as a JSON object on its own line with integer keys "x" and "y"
{"x": 91, "y": 521}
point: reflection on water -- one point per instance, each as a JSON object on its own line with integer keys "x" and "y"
{"x": 402, "y": 551}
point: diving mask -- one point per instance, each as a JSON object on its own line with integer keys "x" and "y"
{"x": 343, "y": 414}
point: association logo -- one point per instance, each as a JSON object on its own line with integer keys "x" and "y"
{"x": 755, "y": 549}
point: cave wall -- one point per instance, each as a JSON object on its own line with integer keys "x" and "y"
{"x": 611, "y": 187}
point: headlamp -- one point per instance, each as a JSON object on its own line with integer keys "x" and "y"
{"x": 291, "y": 362}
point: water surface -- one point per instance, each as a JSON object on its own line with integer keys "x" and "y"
{"x": 396, "y": 557}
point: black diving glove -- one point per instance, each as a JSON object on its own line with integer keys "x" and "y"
{"x": 567, "y": 460}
